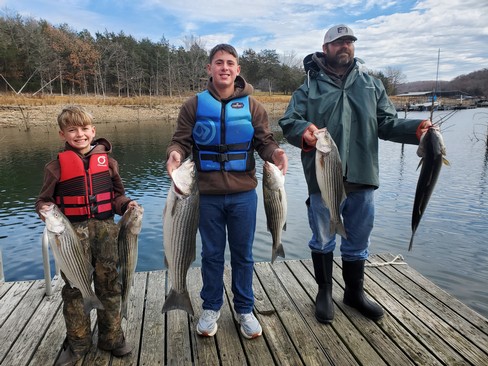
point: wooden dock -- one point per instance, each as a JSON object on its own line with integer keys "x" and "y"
{"x": 423, "y": 325}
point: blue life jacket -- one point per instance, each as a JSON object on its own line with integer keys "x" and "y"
{"x": 223, "y": 134}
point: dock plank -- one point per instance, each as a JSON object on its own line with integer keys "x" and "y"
{"x": 153, "y": 327}
{"x": 278, "y": 336}
{"x": 345, "y": 324}
{"x": 4, "y": 287}
{"x": 33, "y": 332}
{"x": 309, "y": 350}
{"x": 449, "y": 338}
{"x": 50, "y": 345}
{"x": 204, "y": 348}
{"x": 406, "y": 312}
{"x": 423, "y": 324}
{"x": 228, "y": 340}
{"x": 132, "y": 327}
{"x": 25, "y": 305}
{"x": 11, "y": 298}
{"x": 330, "y": 341}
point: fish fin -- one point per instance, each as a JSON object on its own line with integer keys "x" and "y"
{"x": 446, "y": 162}
{"x": 176, "y": 300}
{"x": 278, "y": 251}
{"x": 420, "y": 163}
{"x": 123, "y": 310}
{"x": 92, "y": 302}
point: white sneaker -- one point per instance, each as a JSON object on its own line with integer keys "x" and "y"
{"x": 207, "y": 324}
{"x": 250, "y": 327}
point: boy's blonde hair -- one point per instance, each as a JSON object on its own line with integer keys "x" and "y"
{"x": 74, "y": 115}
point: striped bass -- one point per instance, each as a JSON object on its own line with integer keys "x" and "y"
{"x": 130, "y": 226}
{"x": 275, "y": 206}
{"x": 432, "y": 152}
{"x": 69, "y": 255}
{"x": 328, "y": 168}
{"x": 180, "y": 225}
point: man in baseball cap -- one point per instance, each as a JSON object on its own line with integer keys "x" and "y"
{"x": 339, "y": 31}
{"x": 338, "y": 51}
{"x": 355, "y": 109}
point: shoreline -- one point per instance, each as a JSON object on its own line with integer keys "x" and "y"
{"x": 25, "y": 117}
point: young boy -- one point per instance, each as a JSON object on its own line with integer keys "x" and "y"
{"x": 221, "y": 127}
{"x": 83, "y": 170}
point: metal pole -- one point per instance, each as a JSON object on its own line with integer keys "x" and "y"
{"x": 2, "y": 277}
{"x": 47, "y": 265}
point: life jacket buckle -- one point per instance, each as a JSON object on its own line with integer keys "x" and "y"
{"x": 222, "y": 158}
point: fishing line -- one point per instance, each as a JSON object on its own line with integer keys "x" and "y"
{"x": 397, "y": 260}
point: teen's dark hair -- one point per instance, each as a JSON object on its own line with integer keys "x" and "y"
{"x": 223, "y": 47}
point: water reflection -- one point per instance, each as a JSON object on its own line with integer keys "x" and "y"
{"x": 449, "y": 247}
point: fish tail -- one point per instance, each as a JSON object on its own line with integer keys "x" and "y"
{"x": 338, "y": 228}
{"x": 411, "y": 242}
{"x": 92, "y": 302}
{"x": 176, "y": 300}
{"x": 278, "y": 251}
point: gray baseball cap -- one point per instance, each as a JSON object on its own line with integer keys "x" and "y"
{"x": 338, "y": 31}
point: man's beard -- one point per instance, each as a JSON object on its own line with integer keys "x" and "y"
{"x": 340, "y": 60}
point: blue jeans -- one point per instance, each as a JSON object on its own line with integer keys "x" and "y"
{"x": 237, "y": 213}
{"x": 358, "y": 218}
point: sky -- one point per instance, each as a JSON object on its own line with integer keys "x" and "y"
{"x": 403, "y": 35}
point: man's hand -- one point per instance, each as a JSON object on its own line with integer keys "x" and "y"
{"x": 423, "y": 128}
{"x": 308, "y": 137}
{"x": 173, "y": 162}
{"x": 280, "y": 160}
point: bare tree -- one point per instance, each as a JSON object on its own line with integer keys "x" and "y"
{"x": 394, "y": 77}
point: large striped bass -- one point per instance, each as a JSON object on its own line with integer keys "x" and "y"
{"x": 130, "y": 226}
{"x": 432, "y": 152}
{"x": 328, "y": 168}
{"x": 69, "y": 255}
{"x": 275, "y": 206}
{"x": 180, "y": 224}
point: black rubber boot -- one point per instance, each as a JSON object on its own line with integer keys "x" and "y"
{"x": 324, "y": 306}
{"x": 354, "y": 296}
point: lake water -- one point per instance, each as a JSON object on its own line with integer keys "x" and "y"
{"x": 450, "y": 243}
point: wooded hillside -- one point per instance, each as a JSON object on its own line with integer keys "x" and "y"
{"x": 474, "y": 83}
{"x": 39, "y": 58}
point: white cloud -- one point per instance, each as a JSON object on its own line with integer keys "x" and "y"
{"x": 404, "y": 34}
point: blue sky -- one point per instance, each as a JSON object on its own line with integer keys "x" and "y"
{"x": 400, "y": 34}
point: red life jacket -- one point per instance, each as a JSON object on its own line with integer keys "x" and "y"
{"x": 84, "y": 193}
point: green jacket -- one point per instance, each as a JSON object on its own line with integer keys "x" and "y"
{"x": 356, "y": 114}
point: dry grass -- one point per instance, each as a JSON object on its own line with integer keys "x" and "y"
{"x": 43, "y": 100}
{"x": 26, "y": 111}
{"x": 14, "y": 99}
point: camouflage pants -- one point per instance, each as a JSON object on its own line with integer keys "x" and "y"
{"x": 99, "y": 241}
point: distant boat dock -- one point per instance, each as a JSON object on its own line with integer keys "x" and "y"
{"x": 423, "y": 325}
{"x": 443, "y": 100}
